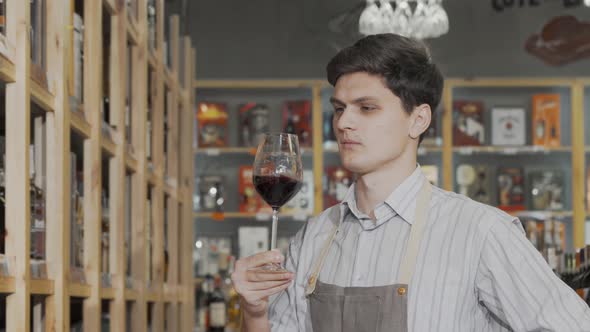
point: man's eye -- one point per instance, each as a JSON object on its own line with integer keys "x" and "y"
{"x": 338, "y": 109}
{"x": 367, "y": 108}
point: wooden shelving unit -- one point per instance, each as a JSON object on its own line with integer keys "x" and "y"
{"x": 446, "y": 152}
{"x": 80, "y": 126}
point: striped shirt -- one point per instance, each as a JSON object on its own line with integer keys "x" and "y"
{"x": 475, "y": 271}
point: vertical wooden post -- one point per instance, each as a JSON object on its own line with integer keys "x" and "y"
{"x": 58, "y": 168}
{"x": 318, "y": 151}
{"x": 578, "y": 164}
{"x": 92, "y": 162}
{"x": 447, "y": 137}
{"x": 117, "y": 92}
{"x": 139, "y": 106}
{"x": 18, "y": 212}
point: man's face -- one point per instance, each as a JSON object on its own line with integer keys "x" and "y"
{"x": 370, "y": 123}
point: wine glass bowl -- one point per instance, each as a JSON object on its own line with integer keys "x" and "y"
{"x": 277, "y": 174}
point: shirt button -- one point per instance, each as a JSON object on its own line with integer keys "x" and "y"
{"x": 401, "y": 291}
{"x": 359, "y": 277}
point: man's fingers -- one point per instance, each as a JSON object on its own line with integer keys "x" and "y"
{"x": 272, "y": 256}
{"x": 255, "y": 296}
{"x": 266, "y": 275}
{"x": 266, "y": 285}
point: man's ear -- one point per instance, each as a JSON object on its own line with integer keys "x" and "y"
{"x": 419, "y": 120}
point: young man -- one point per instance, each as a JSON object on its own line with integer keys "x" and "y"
{"x": 398, "y": 254}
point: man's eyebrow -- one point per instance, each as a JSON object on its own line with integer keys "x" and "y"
{"x": 334, "y": 100}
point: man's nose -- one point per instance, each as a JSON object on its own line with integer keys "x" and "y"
{"x": 345, "y": 121}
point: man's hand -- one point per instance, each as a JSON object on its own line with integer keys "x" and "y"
{"x": 255, "y": 285}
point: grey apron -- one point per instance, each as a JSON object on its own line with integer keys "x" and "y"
{"x": 363, "y": 309}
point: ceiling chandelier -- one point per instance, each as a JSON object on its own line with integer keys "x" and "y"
{"x": 410, "y": 18}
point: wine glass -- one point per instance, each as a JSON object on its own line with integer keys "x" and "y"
{"x": 277, "y": 176}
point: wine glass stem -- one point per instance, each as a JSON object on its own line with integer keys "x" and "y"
{"x": 273, "y": 234}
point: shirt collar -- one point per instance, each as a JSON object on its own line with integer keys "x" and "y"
{"x": 402, "y": 200}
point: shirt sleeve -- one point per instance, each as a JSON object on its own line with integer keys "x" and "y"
{"x": 288, "y": 309}
{"x": 518, "y": 287}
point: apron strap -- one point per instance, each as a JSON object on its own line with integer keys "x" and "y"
{"x": 412, "y": 248}
{"x": 310, "y": 287}
{"x": 409, "y": 261}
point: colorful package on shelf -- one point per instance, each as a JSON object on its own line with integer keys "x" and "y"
{"x": 329, "y": 137}
{"x": 211, "y": 193}
{"x": 250, "y": 201}
{"x": 337, "y": 180}
{"x": 212, "y": 255}
{"x": 212, "y": 124}
{"x": 432, "y": 136}
{"x": 546, "y": 123}
{"x": 252, "y": 240}
{"x": 297, "y": 120}
{"x": 468, "y": 123}
{"x": 546, "y": 189}
{"x": 475, "y": 181}
{"x": 254, "y": 123}
{"x": 303, "y": 201}
{"x": 431, "y": 173}
{"x": 511, "y": 189}
{"x": 508, "y": 126}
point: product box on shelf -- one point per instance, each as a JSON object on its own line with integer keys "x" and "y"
{"x": 328, "y": 134}
{"x": 254, "y": 122}
{"x": 212, "y": 255}
{"x": 336, "y": 183}
{"x": 546, "y": 123}
{"x": 297, "y": 120}
{"x": 252, "y": 240}
{"x": 508, "y": 126}
{"x": 468, "y": 123}
{"x": 212, "y": 124}
{"x": 303, "y": 201}
{"x": 250, "y": 201}
{"x": 475, "y": 181}
{"x": 511, "y": 189}
{"x": 210, "y": 193}
{"x": 432, "y": 136}
{"x": 546, "y": 189}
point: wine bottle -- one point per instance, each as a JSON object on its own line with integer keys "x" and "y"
{"x": 217, "y": 308}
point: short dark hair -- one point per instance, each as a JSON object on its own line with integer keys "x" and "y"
{"x": 404, "y": 63}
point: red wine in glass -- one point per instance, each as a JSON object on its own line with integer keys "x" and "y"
{"x": 276, "y": 190}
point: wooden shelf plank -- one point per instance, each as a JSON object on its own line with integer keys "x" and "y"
{"x": 132, "y": 30}
{"x": 508, "y": 82}
{"x": 41, "y": 287}
{"x": 79, "y": 290}
{"x": 131, "y": 162}
{"x": 131, "y": 295}
{"x": 152, "y": 59}
{"x": 509, "y": 150}
{"x": 258, "y": 84}
{"x": 543, "y": 214}
{"x": 42, "y": 97}
{"x": 79, "y": 124}
{"x": 7, "y": 71}
{"x": 110, "y": 6}
{"x": 305, "y": 151}
{"x": 107, "y": 293}
{"x": 7, "y": 285}
{"x": 260, "y": 216}
{"x": 108, "y": 145}
{"x": 169, "y": 78}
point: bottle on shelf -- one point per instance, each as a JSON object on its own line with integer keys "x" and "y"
{"x": 217, "y": 308}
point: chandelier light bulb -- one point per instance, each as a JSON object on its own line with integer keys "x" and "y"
{"x": 428, "y": 19}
